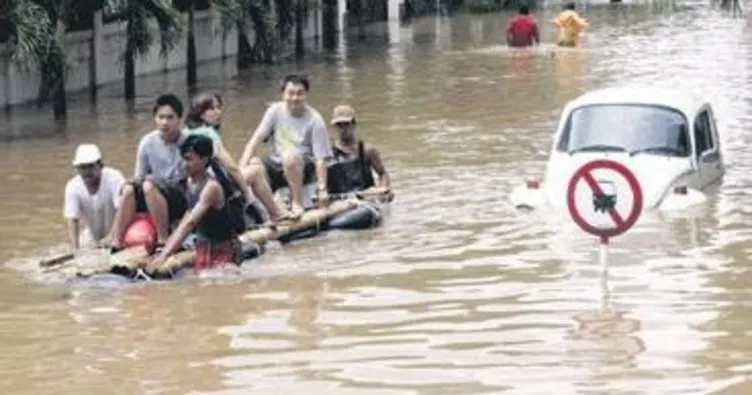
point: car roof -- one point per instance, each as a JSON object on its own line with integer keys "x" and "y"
{"x": 685, "y": 102}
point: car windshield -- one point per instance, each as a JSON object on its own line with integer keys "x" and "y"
{"x": 634, "y": 129}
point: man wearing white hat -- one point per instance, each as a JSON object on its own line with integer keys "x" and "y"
{"x": 92, "y": 195}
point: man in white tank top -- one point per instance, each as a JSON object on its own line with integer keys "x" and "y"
{"x": 91, "y": 196}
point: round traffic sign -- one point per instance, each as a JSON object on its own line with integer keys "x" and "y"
{"x": 621, "y": 212}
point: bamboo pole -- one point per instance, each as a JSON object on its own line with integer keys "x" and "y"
{"x": 125, "y": 260}
{"x": 316, "y": 217}
{"x": 56, "y": 259}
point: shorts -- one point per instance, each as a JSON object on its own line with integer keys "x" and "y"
{"x": 211, "y": 254}
{"x": 276, "y": 174}
{"x": 173, "y": 193}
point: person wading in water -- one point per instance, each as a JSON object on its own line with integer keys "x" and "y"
{"x": 522, "y": 30}
{"x": 570, "y": 26}
{"x": 93, "y": 195}
{"x": 354, "y": 160}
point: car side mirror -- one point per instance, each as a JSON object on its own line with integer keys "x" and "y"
{"x": 708, "y": 156}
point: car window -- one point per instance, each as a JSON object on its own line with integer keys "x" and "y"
{"x": 630, "y": 127}
{"x": 703, "y": 135}
{"x": 711, "y": 135}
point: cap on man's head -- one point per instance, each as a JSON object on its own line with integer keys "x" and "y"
{"x": 343, "y": 113}
{"x": 87, "y": 154}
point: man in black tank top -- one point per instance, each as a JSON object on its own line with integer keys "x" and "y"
{"x": 354, "y": 160}
{"x": 210, "y": 214}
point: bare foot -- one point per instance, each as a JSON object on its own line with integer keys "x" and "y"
{"x": 285, "y": 216}
{"x": 296, "y": 210}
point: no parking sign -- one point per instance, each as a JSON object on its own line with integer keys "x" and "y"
{"x": 604, "y": 198}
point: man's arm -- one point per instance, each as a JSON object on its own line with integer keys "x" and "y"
{"x": 322, "y": 151}
{"x": 74, "y": 231}
{"x": 229, "y": 164}
{"x": 71, "y": 213}
{"x": 117, "y": 185}
{"x": 142, "y": 162}
{"x": 536, "y": 36}
{"x": 374, "y": 158}
{"x": 263, "y": 131}
{"x": 580, "y": 20}
{"x": 210, "y": 197}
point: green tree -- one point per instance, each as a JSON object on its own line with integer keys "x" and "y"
{"x": 35, "y": 34}
{"x": 258, "y": 15}
{"x": 139, "y": 36}
{"x": 189, "y": 7}
{"x": 63, "y": 15}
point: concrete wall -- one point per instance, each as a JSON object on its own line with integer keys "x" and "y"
{"x": 94, "y": 56}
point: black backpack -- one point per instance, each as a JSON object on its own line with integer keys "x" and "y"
{"x": 235, "y": 200}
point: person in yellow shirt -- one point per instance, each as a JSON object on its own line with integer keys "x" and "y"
{"x": 570, "y": 26}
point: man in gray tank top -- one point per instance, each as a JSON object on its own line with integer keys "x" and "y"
{"x": 300, "y": 149}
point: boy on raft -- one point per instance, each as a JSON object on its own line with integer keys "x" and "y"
{"x": 299, "y": 152}
{"x": 158, "y": 185}
{"x": 215, "y": 222}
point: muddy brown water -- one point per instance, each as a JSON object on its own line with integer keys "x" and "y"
{"x": 456, "y": 292}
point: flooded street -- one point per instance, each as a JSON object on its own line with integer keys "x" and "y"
{"x": 457, "y": 292}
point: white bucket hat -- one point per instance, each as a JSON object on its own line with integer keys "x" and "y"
{"x": 87, "y": 154}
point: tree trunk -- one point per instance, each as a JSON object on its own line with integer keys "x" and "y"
{"x": 329, "y": 22}
{"x": 299, "y": 21}
{"x": 244, "y": 49}
{"x": 191, "y": 51}
{"x": 130, "y": 76}
{"x": 130, "y": 67}
{"x": 59, "y": 101}
{"x": 361, "y": 19}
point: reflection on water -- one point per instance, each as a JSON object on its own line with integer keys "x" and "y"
{"x": 570, "y": 72}
{"x": 457, "y": 292}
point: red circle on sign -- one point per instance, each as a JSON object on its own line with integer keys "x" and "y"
{"x": 585, "y": 172}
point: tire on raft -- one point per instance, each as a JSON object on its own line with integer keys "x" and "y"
{"x": 364, "y": 216}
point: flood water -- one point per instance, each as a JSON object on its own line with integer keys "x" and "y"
{"x": 457, "y": 292}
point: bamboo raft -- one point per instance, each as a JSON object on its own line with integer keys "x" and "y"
{"x": 133, "y": 262}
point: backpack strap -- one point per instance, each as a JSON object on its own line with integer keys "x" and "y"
{"x": 365, "y": 166}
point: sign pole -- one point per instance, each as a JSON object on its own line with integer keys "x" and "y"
{"x": 605, "y": 292}
{"x": 605, "y": 202}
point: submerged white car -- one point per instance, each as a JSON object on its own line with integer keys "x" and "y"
{"x": 668, "y": 139}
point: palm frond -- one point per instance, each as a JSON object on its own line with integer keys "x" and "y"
{"x": 139, "y": 38}
{"x": 54, "y": 65}
{"x": 139, "y": 35}
{"x": 228, "y": 13}
{"x": 265, "y": 26}
{"x": 169, "y": 22}
{"x": 30, "y": 34}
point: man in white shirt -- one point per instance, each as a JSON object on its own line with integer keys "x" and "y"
{"x": 92, "y": 195}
